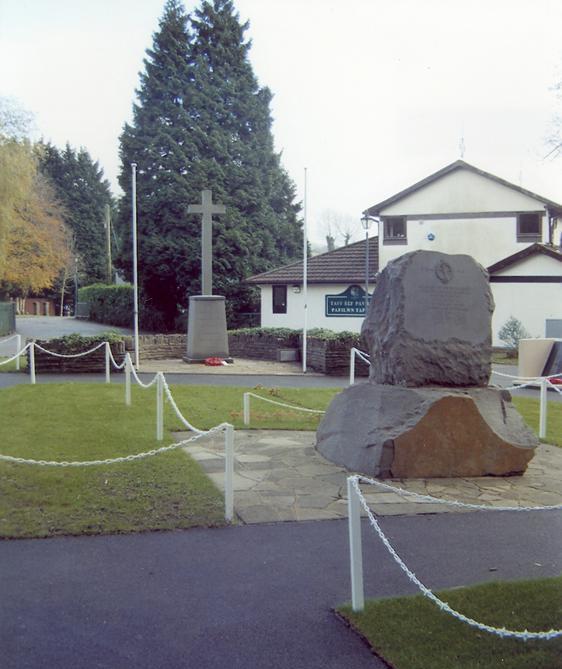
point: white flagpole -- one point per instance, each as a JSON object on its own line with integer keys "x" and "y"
{"x": 304, "y": 275}
{"x": 135, "y": 263}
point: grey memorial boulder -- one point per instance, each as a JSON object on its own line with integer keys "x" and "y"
{"x": 426, "y": 410}
{"x": 429, "y": 322}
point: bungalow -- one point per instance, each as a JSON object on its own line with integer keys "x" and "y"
{"x": 514, "y": 233}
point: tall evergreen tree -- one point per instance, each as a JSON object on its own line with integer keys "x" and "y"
{"x": 202, "y": 121}
{"x": 83, "y": 192}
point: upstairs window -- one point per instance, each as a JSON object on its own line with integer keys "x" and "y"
{"x": 279, "y": 299}
{"x": 395, "y": 230}
{"x": 529, "y": 227}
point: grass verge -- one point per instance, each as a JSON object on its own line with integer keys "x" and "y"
{"x": 412, "y": 633}
{"x": 85, "y": 422}
{"x": 90, "y": 421}
{"x": 11, "y": 366}
{"x": 529, "y": 408}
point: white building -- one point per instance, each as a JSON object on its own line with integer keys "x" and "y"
{"x": 514, "y": 233}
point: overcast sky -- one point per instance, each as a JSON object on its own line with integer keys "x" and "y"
{"x": 369, "y": 95}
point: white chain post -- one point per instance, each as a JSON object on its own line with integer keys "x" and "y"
{"x": 18, "y": 349}
{"x": 128, "y": 365}
{"x": 246, "y": 408}
{"x": 32, "y": 362}
{"x": 352, "y": 366}
{"x": 159, "y": 407}
{"x": 107, "y": 364}
{"x": 543, "y": 409}
{"x": 228, "y": 473}
{"x": 355, "y": 549}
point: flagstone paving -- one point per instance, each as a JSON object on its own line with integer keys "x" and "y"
{"x": 280, "y": 476}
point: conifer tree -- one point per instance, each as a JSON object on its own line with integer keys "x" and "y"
{"x": 83, "y": 193}
{"x": 202, "y": 121}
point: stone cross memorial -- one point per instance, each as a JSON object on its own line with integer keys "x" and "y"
{"x": 427, "y": 409}
{"x": 207, "y": 209}
{"x": 206, "y": 328}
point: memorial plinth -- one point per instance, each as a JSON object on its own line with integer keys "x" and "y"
{"x": 427, "y": 410}
{"x": 206, "y": 333}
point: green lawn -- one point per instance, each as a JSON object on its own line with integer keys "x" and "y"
{"x": 90, "y": 421}
{"x": 528, "y": 407}
{"x": 73, "y": 421}
{"x": 412, "y": 633}
{"x": 11, "y": 366}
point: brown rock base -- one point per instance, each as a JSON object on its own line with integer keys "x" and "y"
{"x": 397, "y": 432}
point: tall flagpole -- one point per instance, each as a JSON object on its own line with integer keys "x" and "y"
{"x": 135, "y": 262}
{"x": 305, "y": 274}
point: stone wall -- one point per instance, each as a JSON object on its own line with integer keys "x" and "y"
{"x": 93, "y": 362}
{"x": 159, "y": 346}
{"x": 331, "y": 357}
{"x": 259, "y": 346}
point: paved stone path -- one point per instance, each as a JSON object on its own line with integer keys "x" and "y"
{"x": 280, "y": 476}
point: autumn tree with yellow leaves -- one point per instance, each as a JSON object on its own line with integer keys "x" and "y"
{"x": 35, "y": 246}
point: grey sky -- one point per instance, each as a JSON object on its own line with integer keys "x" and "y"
{"x": 370, "y": 95}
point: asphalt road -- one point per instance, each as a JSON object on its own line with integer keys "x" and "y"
{"x": 241, "y": 597}
{"x": 49, "y": 327}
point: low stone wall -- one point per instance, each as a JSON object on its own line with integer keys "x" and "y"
{"x": 158, "y": 347}
{"x": 93, "y": 362}
{"x": 331, "y": 357}
{"x": 259, "y": 347}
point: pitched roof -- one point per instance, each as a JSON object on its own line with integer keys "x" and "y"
{"x": 551, "y": 251}
{"x": 458, "y": 164}
{"x": 344, "y": 265}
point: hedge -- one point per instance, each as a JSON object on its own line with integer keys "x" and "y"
{"x": 109, "y": 303}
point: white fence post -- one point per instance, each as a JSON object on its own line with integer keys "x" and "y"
{"x": 352, "y": 366}
{"x": 246, "y": 408}
{"x": 128, "y": 365}
{"x": 159, "y": 407}
{"x": 107, "y": 363}
{"x": 543, "y": 409}
{"x": 355, "y": 550}
{"x": 228, "y": 473}
{"x": 18, "y": 349}
{"x": 32, "y": 362}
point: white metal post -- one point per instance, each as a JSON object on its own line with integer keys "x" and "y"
{"x": 305, "y": 274}
{"x": 128, "y": 365}
{"x": 355, "y": 550}
{"x": 159, "y": 407}
{"x": 352, "y": 366}
{"x": 107, "y": 364}
{"x": 135, "y": 264}
{"x": 228, "y": 472}
{"x": 18, "y": 349}
{"x": 543, "y": 409}
{"x": 246, "y": 408}
{"x": 32, "y": 362}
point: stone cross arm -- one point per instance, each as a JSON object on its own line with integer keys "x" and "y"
{"x": 207, "y": 209}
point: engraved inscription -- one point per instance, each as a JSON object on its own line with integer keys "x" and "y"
{"x": 443, "y": 305}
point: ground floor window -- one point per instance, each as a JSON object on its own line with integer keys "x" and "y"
{"x": 280, "y": 299}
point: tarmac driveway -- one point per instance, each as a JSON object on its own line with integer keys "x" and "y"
{"x": 240, "y": 597}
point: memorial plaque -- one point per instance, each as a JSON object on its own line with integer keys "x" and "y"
{"x": 446, "y": 300}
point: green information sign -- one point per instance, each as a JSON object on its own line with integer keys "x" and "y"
{"x": 349, "y": 303}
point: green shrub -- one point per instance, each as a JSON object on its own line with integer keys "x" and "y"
{"x": 76, "y": 343}
{"x": 109, "y": 303}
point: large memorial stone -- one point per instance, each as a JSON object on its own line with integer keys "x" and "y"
{"x": 426, "y": 410}
{"x": 429, "y": 322}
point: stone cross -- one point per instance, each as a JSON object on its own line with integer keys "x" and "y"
{"x": 207, "y": 208}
